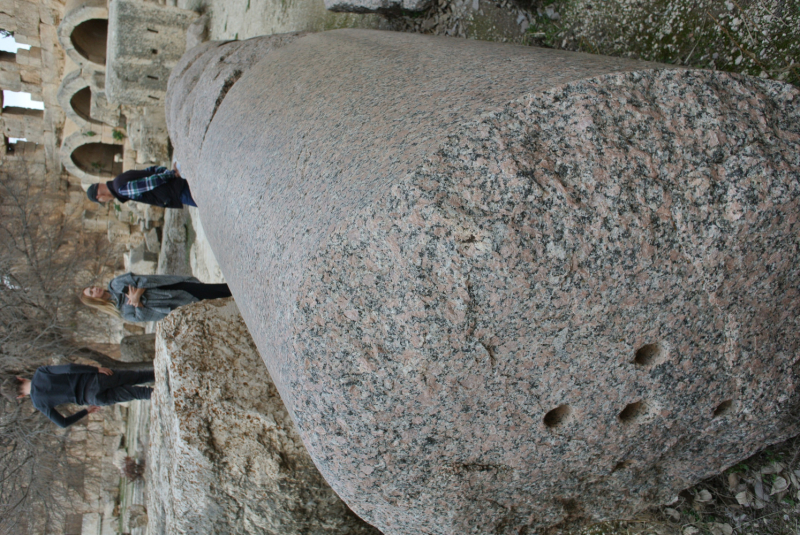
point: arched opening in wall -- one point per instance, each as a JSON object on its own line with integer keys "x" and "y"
{"x": 81, "y": 102}
{"x": 98, "y": 159}
{"x": 89, "y": 39}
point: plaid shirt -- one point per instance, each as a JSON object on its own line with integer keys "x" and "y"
{"x": 158, "y": 177}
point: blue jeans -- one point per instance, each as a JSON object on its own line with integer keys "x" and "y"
{"x": 119, "y": 387}
{"x": 186, "y": 196}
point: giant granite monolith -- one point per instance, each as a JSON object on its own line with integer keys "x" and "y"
{"x": 502, "y": 289}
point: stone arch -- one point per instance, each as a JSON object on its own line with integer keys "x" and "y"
{"x": 89, "y": 159}
{"x": 75, "y": 98}
{"x": 84, "y": 31}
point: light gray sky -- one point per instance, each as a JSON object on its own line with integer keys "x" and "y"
{"x": 8, "y": 44}
{"x": 13, "y": 98}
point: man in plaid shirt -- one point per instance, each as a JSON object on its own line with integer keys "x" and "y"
{"x": 155, "y": 185}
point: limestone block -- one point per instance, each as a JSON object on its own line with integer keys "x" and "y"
{"x": 23, "y": 123}
{"x": 92, "y": 523}
{"x": 141, "y": 261}
{"x": 197, "y": 32}
{"x": 118, "y": 231}
{"x": 32, "y": 57}
{"x": 152, "y": 241}
{"x": 376, "y": 6}
{"x": 7, "y": 21}
{"x": 146, "y": 130}
{"x": 27, "y": 15}
{"x": 30, "y": 77}
{"x": 33, "y": 88}
{"x": 145, "y": 41}
{"x": 137, "y": 237}
{"x": 509, "y": 293}
{"x": 92, "y": 221}
{"x": 132, "y": 329}
{"x": 104, "y": 111}
{"x": 47, "y": 15}
{"x": 27, "y": 38}
{"x": 139, "y": 348}
{"x": 172, "y": 259}
{"x": 9, "y": 76}
{"x": 48, "y": 40}
{"x": 225, "y": 457}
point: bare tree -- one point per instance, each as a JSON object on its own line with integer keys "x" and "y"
{"x": 44, "y": 258}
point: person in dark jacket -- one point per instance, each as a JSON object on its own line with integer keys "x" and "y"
{"x": 155, "y": 185}
{"x": 52, "y": 386}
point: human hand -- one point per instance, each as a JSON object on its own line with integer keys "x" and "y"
{"x": 105, "y": 371}
{"x": 93, "y": 409}
{"x": 176, "y": 170}
{"x": 133, "y": 296}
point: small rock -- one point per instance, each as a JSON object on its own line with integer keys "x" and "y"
{"x": 779, "y": 485}
{"x": 744, "y": 498}
{"x": 721, "y": 529}
{"x": 704, "y": 497}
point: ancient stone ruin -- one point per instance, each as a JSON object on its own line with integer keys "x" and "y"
{"x": 225, "y": 456}
{"x": 502, "y": 288}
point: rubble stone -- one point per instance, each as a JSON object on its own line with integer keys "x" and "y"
{"x": 225, "y": 456}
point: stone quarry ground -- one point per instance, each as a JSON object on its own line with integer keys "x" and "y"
{"x": 757, "y": 37}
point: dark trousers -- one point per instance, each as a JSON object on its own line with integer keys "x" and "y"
{"x": 201, "y": 290}
{"x": 119, "y": 387}
{"x": 186, "y": 196}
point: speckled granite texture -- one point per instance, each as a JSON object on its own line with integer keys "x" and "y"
{"x": 224, "y": 455}
{"x": 504, "y": 289}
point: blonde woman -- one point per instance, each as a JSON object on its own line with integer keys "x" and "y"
{"x": 140, "y": 298}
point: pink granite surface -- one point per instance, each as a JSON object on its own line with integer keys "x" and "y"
{"x": 505, "y": 289}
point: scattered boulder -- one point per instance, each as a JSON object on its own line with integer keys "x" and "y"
{"x": 138, "y": 348}
{"x": 513, "y": 292}
{"x": 173, "y": 259}
{"x": 225, "y": 456}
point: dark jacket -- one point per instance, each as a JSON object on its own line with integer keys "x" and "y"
{"x": 55, "y": 385}
{"x": 167, "y": 195}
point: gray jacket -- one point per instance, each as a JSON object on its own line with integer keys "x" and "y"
{"x": 156, "y": 303}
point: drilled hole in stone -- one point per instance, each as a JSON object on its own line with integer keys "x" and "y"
{"x": 632, "y": 412}
{"x": 723, "y": 408}
{"x": 647, "y": 355}
{"x": 621, "y": 466}
{"x": 558, "y": 416}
